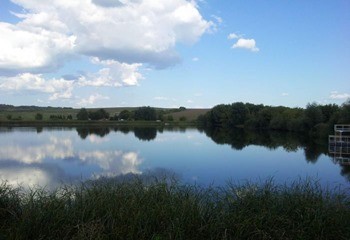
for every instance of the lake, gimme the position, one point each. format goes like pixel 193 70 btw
pixel 52 156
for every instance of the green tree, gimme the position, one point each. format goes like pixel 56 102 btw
pixel 238 114
pixel 328 111
pixel 145 113
pixel 83 114
pixel 219 115
pixel 38 116
pixel 313 115
pixel 345 112
pixel 98 115
pixel 125 115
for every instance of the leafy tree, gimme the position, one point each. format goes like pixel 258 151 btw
pixel 219 115
pixel 38 116
pixel 313 115
pixel 9 117
pixel 183 119
pixel 238 114
pixel 345 112
pixel 83 114
pixel 145 113
pixel 99 114
pixel 125 115
pixel 328 111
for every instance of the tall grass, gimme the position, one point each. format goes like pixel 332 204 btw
pixel 134 209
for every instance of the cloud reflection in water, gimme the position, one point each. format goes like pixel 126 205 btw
pixel 53 160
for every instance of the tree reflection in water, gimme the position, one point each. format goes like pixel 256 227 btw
pixel 83 132
pixel 239 138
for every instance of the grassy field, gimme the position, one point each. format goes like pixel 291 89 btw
pixel 189 114
pixel 29 115
pixel 109 209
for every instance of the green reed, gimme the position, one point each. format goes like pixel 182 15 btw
pixel 134 209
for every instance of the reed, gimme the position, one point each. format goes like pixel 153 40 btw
pixel 160 209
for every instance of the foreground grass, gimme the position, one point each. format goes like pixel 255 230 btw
pixel 162 210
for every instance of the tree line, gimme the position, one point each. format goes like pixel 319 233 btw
pixel 144 113
pixel 315 118
pixel 141 113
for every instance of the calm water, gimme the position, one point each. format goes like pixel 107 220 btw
pixel 51 156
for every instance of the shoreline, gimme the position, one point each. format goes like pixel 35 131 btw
pixel 77 123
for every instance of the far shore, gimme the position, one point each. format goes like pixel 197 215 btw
pixel 102 123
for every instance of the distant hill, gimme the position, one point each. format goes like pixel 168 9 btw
pixel 6 107
pixel 189 114
pixel 28 112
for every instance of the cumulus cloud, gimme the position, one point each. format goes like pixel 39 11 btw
pixel 246 44
pixel 113 163
pixel 54 148
pixel 108 3
pixel 112 74
pixel 120 35
pixel 23 49
pixel 92 99
pixel 58 88
pixel 232 36
pixel 339 96
pixel 138 31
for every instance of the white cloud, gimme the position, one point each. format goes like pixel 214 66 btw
pixel 54 148
pixel 92 99
pixel 97 139
pixel 26 176
pixel 285 94
pixel 113 163
pixel 195 59
pixel 339 96
pixel 246 44
pixel 120 35
pixel 134 31
pixel 217 19
pixel 232 36
pixel 113 74
pixel 161 98
pixel 25 49
pixel 58 88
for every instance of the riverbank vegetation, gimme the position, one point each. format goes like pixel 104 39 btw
pixel 134 209
pixel 316 120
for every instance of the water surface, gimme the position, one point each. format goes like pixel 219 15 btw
pixel 52 156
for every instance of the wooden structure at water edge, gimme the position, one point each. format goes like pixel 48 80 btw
pixel 339 144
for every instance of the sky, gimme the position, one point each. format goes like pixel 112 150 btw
pixel 172 53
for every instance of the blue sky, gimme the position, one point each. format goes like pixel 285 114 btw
pixel 104 53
